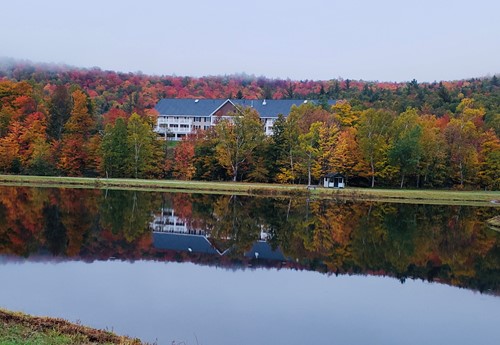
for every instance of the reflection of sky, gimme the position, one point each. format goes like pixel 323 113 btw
pixel 182 302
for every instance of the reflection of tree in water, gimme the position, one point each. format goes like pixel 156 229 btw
pixel 399 240
pixel 384 239
pixel 416 241
pixel 55 232
pixel 4 236
pixel 21 226
pixel 236 223
pixel 127 212
pixel 78 214
pixel 445 243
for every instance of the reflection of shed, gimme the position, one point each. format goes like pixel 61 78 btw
pixel 263 250
pixel 334 180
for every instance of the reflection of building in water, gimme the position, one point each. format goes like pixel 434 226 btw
pixel 167 221
pixel 172 233
pixel 184 242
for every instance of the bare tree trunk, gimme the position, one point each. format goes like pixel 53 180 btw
pixel 136 159
pixel 309 172
pixel 461 174
pixel 235 174
pixel 373 172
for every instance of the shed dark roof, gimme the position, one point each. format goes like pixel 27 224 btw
pixel 183 242
pixel 330 175
pixel 205 107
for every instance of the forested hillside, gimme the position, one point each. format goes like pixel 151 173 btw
pixel 67 121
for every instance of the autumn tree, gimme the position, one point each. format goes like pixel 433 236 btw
pixel 13 97
pixel 347 157
pixel 286 139
pixel 328 135
pixel 183 167
pixel 432 167
pixel 145 150
pixel 405 151
pixel 113 115
pixel 74 155
pixel 238 137
pixel 35 153
pixel 309 146
pixel 462 138
pixel 373 133
pixel 344 114
pixel 489 172
pixel 81 121
pixel 10 148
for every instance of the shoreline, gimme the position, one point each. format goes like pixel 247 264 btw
pixel 19 328
pixel 425 196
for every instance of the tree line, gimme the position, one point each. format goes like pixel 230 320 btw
pixel 406 135
pixel 372 147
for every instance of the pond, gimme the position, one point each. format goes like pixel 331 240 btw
pixel 227 269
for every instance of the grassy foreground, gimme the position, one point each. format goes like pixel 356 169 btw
pixel 18 328
pixel 491 198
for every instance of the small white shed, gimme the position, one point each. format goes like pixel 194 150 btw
pixel 334 180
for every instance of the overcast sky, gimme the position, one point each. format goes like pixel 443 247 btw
pixel 385 40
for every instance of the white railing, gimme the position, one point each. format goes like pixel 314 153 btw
pixel 172 119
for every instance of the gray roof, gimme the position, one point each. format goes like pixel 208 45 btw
pixel 183 242
pixel 205 107
pixel 184 106
pixel 271 108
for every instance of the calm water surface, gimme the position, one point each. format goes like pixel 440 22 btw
pixel 239 270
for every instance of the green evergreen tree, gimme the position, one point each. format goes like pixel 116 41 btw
pixel 115 150
pixel 60 110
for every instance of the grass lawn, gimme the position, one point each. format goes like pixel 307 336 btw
pixel 398 195
pixel 18 328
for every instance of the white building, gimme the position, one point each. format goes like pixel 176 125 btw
pixel 179 117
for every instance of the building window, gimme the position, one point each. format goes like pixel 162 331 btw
pixel 173 125
pixel 184 126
